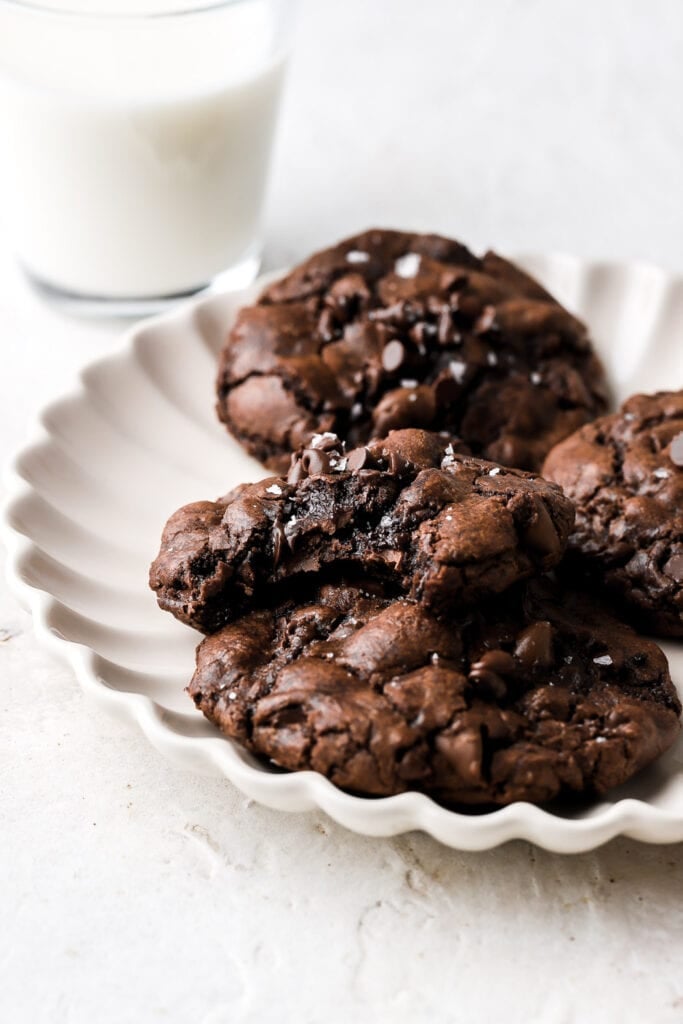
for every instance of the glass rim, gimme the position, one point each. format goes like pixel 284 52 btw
pixel 35 7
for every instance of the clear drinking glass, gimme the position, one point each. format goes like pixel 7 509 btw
pixel 135 139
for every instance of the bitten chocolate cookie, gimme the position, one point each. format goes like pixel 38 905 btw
pixel 534 695
pixel 390 330
pixel 442 527
pixel 625 474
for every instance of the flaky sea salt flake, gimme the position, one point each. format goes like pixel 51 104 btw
pixel 457 370
pixel 408 265
pixel 319 439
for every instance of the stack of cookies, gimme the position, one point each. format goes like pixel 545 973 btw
pixel 403 605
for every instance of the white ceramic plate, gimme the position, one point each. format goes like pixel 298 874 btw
pixel 137 437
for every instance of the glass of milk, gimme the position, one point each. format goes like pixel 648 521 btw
pixel 135 139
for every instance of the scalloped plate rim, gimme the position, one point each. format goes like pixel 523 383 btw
pixel 298 791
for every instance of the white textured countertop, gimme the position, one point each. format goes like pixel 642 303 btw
pixel 132 891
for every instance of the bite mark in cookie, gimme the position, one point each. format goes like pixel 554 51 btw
pixel 438 525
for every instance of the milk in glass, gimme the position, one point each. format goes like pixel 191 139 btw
pixel 134 151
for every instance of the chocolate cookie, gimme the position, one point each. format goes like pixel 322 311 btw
pixel 442 527
pixel 390 330
pixel 531 696
pixel 625 474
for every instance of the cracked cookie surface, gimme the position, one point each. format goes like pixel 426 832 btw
pixel 440 526
pixel 532 695
pixel 625 474
pixel 388 330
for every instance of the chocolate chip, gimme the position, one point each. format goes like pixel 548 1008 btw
pixel 327 325
pixel 297 472
pixel 445 326
pixel 397 463
pixel 359 458
pixel 487 672
pixel 393 356
pixel 676 450
pixel 674 567
pixel 315 461
pixel 488 682
pixel 497 661
pixel 487 320
pixel 541 534
pixel 278 541
pixel 535 646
